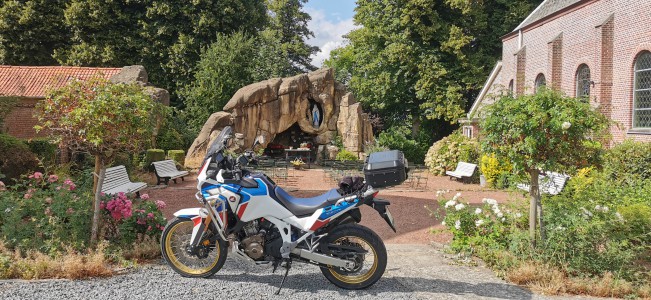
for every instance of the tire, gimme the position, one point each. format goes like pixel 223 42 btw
pixel 177 257
pixel 354 234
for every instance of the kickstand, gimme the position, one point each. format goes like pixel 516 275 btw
pixel 288 265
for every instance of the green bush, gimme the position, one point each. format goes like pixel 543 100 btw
pixel 45 213
pixel 177 155
pixel 628 161
pixel 44 150
pixel 445 154
pixel 153 155
pixel 15 158
pixel 399 138
pixel 174 134
pixel 345 155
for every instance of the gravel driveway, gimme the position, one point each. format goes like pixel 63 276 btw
pixel 413 272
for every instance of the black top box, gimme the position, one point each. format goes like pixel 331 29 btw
pixel 387 168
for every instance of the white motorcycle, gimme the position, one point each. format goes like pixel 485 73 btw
pixel 245 214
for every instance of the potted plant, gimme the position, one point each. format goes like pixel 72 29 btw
pixel 297 163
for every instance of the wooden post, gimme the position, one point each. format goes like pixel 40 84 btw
pixel 98 196
pixel 534 193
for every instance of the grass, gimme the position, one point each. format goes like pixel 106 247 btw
pixel 68 265
pixel 549 280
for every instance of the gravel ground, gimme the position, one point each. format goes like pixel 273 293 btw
pixel 413 272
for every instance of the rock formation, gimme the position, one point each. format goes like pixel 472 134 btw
pixel 270 107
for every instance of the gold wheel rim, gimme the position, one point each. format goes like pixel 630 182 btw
pixel 174 247
pixel 356 279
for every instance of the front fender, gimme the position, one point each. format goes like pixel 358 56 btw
pixel 190 213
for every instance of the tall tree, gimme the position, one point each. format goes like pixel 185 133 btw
pixel 419 61
pixel 30 30
pixel 288 22
pixel 165 36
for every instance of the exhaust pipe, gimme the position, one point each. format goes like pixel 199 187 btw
pixel 324 259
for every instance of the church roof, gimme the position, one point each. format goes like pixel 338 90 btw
pixel 546 9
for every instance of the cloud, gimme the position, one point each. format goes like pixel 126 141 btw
pixel 328 34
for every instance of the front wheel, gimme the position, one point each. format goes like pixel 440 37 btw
pixel 204 261
pixel 370 257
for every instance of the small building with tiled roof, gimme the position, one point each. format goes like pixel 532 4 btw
pixel 29 84
pixel 598 50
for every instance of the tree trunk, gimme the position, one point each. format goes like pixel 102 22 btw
pixel 540 219
pixel 98 167
pixel 534 193
pixel 99 180
pixel 415 127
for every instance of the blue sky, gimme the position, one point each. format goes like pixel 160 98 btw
pixel 330 20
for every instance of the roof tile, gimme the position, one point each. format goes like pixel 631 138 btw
pixel 32 82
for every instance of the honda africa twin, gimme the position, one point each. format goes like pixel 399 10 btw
pixel 246 215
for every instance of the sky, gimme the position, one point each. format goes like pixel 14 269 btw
pixel 331 19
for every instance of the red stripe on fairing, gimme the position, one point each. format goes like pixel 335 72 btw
pixel 240 210
pixel 318 224
pixel 196 220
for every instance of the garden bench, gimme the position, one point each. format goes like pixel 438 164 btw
pixel 463 171
pixel 552 183
pixel 116 180
pixel 166 170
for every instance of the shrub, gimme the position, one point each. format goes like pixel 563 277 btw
pixel 128 220
pixel 153 155
pixel 345 155
pixel 174 134
pixel 373 147
pixel 399 138
pixel 445 154
pixel 44 150
pixel 45 213
pixel 177 155
pixel 16 159
pixel 628 159
pixel 497 172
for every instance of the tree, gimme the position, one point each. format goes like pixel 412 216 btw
pixel 100 118
pixel 227 65
pixel 546 131
pixel 288 23
pixel 419 61
pixel 164 36
pixel 30 30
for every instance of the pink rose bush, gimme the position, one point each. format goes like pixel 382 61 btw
pixel 128 220
pixel 42 205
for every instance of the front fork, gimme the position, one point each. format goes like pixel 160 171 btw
pixel 214 211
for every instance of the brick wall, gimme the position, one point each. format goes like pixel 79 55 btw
pixel 606 35
pixel 20 121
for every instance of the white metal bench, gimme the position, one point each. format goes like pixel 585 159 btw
pixel 552 183
pixel 463 171
pixel 166 171
pixel 116 180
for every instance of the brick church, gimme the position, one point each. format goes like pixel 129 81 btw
pixel 598 49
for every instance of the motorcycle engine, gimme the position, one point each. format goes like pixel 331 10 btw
pixel 253 243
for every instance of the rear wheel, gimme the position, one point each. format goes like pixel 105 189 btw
pixel 370 257
pixel 205 261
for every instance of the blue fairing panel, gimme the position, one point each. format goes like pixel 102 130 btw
pixel 332 210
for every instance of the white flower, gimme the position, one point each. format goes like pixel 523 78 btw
pixel 503 219
pixel 489 201
pixel 459 206
pixel 450 203
pixel 500 215
pixel 479 222
pixel 456 196
pixel 478 211
pixel 586 212
pixel 604 209
pixel 443 223
pixel 518 215
pixel 457 224
pixel 566 125
pixel 8 210
pixel 619 217
pixel 597 208
pixel 439 193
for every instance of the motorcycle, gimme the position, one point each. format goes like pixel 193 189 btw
pixel 245 214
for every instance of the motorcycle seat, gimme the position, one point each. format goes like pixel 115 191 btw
pixel 306 206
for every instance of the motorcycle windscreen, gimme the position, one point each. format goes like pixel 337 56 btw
pixel 220 142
